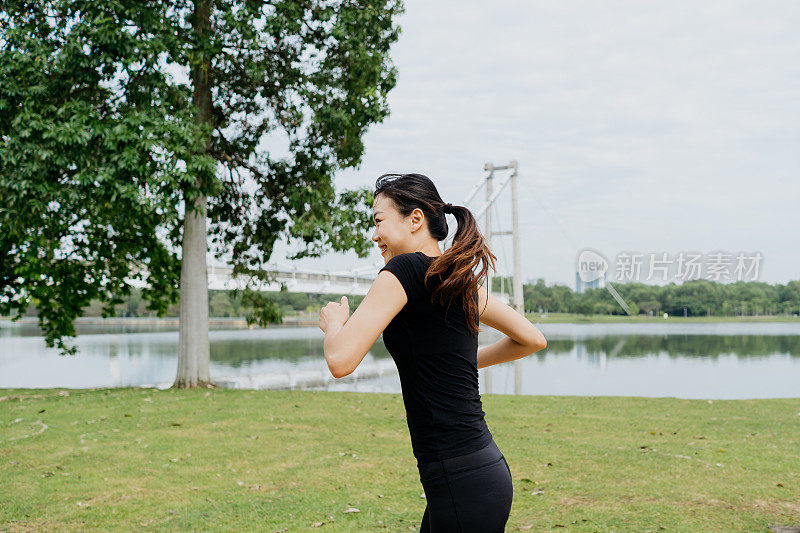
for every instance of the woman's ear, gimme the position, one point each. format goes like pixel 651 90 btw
pixel 416 216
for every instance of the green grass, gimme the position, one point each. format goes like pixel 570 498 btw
pixel 573 317
pixel 238 460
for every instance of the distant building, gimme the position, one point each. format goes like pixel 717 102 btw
pixel 581 285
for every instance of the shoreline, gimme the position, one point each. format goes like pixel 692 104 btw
pixel 312 320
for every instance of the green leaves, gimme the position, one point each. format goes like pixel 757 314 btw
pixel 100 142
pixel 105 166
pixel 265 311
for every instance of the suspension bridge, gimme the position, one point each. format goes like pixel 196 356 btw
pixel 358 280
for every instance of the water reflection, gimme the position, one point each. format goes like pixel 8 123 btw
pixel 678 346
pixel 722 360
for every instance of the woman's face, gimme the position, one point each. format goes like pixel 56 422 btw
pixel 392 231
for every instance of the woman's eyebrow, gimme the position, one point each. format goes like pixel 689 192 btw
pixel 376 213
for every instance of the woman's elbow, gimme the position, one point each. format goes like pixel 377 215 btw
pixel 338 374
pixel 540 343
pixel 337 370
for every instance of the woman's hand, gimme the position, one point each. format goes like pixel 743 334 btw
pixel 334 314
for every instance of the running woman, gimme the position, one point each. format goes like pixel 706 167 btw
pixel 428 304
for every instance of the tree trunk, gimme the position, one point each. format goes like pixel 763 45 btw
pixel 193 351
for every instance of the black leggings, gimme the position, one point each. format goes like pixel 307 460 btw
pixel 467 493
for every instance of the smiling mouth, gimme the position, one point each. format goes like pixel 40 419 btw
pixel 383 249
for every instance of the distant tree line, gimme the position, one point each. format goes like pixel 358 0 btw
pixel 698 297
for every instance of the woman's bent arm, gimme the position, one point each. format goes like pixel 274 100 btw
pixel 522 338
pixel 503 351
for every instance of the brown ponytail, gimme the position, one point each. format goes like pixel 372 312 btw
pixel 455 268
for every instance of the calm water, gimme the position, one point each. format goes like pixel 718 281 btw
pixel 714 361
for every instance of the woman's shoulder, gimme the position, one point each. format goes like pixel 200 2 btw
pixel 410 269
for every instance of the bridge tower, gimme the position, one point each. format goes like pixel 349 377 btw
pixel 484 213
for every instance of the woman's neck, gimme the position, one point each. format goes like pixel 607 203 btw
pixel 430 251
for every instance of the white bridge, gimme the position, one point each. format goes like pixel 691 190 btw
pixel 356 281
pixel 359 280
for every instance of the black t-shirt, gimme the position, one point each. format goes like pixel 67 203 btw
pixel 438 366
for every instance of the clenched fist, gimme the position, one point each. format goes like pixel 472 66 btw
pixel 334 313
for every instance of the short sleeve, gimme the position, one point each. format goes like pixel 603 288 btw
pixel 404 268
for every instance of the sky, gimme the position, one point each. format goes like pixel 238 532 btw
pixel 638 127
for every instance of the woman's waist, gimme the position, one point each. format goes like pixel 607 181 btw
pixel 487 454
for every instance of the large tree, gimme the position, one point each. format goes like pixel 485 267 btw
pixel 136 134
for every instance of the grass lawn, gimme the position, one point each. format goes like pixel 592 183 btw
pixel 238 460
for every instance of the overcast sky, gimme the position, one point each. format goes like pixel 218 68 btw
pixel 660 127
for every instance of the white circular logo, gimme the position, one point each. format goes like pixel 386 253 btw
pixel 591 265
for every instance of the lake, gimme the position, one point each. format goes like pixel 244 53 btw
pixel 725 360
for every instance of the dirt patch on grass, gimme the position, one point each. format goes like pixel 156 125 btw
pixel 778 506
pixel 576 499
pixel 771 507
pixel 28 525
pixel 20 397
pixel 711 502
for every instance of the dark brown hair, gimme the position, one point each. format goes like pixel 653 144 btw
pixel 455 267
